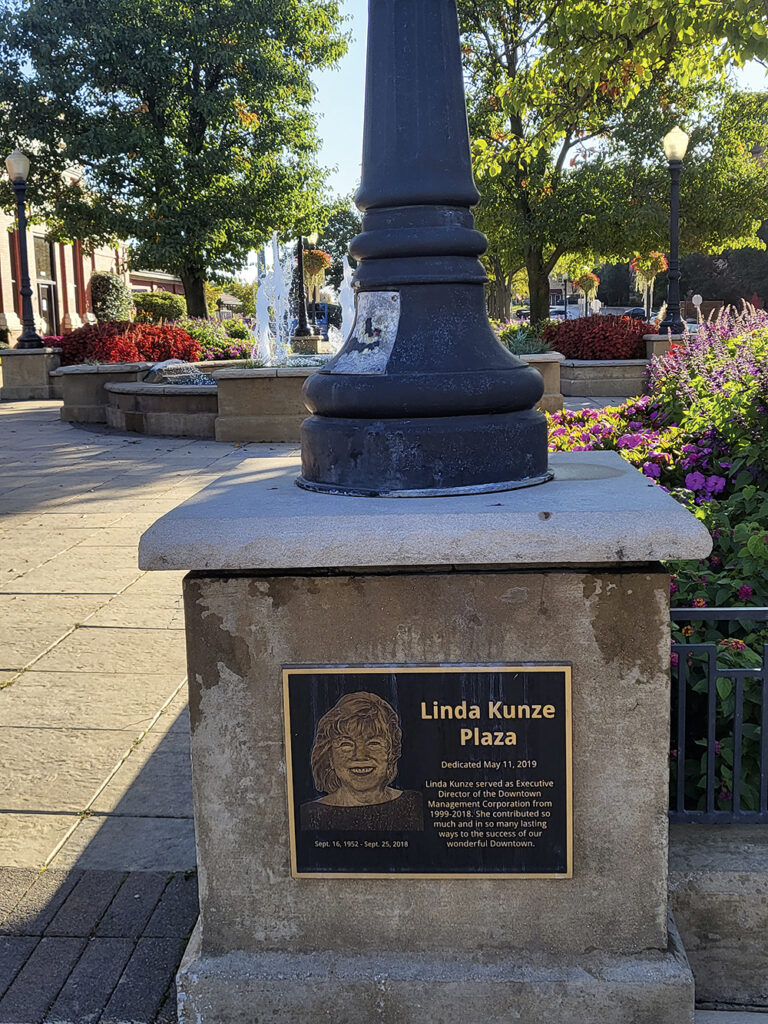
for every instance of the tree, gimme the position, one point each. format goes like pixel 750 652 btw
pixel 344 222
pixel 187 124
pixel 246 293
pixel 550 84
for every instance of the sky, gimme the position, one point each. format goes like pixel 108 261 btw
pixel 339 101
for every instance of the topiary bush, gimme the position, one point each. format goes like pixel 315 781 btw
pixel 125 342
pixel 111 298
pixel 598 337
pixel 157 307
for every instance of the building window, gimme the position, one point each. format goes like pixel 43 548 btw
pixel 47 296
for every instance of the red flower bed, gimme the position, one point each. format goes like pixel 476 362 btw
pixel 598 337
pixel 127 343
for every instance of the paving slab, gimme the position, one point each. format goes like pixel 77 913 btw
pixel 27 840
pixel 145 983
pixel 15 950
pixel 56 769
pixel 89 987
pixel 133 906
pixel 38 983
pixel 72 699
pixel 105 842
pixel 114 649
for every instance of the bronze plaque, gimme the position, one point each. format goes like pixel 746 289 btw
pixel 429 771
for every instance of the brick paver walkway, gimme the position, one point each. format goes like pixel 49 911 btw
pixel 98 891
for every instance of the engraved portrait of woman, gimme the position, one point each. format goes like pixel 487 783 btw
pixel 354 761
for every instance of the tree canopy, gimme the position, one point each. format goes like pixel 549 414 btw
pixel 568 102
pixel 185 124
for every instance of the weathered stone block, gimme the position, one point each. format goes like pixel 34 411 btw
pixel 263 404
pixel 589 378
pixel 548 365
pixel 85 400
pixel 718 885
pixel 26 374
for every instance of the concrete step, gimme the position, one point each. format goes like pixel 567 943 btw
pixel 730 1017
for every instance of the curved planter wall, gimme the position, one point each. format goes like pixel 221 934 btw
pixel 175 410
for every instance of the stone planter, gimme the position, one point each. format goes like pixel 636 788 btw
pixel 174 410
pixel 591 378
pixel 26 374
pixel 658 344
pixel 262 404
pixel 85 400
pixel 548 365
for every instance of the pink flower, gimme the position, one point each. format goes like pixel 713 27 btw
pixel 630 440
pixel 745 592
pixel 695 481
pixel 673 587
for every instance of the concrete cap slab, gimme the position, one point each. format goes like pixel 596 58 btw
pixel 543 357
pixel 237 372
pixel 598 510
pixel 28 352
pixel 605 362
pixel 101 368
pixel 139 388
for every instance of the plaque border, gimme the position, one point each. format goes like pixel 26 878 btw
pixel 345 669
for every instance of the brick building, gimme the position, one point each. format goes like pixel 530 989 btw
pixel 59 275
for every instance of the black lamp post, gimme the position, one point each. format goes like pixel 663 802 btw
pixel 18 171
pixel 675 146
pixel 312 240
pixel 302 329
pixel 422 398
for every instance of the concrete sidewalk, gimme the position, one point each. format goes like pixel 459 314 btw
pixel 98 890
pixel 97 861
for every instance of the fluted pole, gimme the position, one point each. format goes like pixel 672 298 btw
pixel 422 397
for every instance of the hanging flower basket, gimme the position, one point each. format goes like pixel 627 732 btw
pixel 587 283
pixel 316 262
pixel 647 267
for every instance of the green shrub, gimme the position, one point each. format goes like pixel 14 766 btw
pixel 523 339
pixel 235 328
pixel 111 297
pixel 157 307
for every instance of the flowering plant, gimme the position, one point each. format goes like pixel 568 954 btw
pixel 699 434
pixel 587 283
pixel 647 267
pixel 126 342
pixel 598 337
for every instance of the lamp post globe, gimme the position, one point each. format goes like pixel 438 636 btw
pixel 675 147
pixel 17 165
pixel 422 399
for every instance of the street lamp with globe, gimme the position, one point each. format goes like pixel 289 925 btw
pixel 675 147
pixel 17 166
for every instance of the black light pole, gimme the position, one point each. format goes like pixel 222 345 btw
pixel 675 147
pixel 421 399
pixel 302 330
pixel 312 296
pixel 18 171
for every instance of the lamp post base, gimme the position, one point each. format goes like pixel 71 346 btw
pixel 437 455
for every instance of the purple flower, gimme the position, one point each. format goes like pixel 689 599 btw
pixel 630 440
pixel 651 469
pixel 745 592
pixel 635 425
pixel 674 659
pixel 695 481
pixel 673 587
pixel 715 484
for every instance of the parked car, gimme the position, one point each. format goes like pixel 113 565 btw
pixel 521 313
pixel 636 312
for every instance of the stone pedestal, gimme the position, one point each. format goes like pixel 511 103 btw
pixel 565 573
pixel 308 345
pixel 548 365
pixel 26 374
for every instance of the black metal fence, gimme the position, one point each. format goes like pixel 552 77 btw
pixel 719 744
